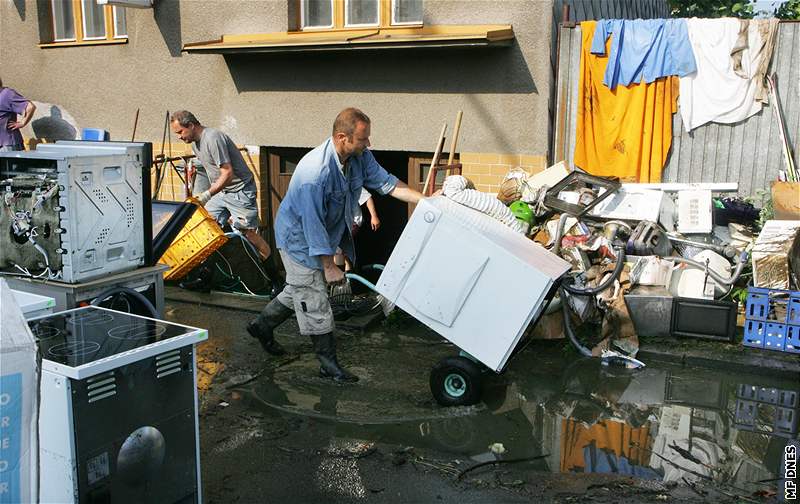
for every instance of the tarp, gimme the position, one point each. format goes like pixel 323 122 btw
pixel 19 404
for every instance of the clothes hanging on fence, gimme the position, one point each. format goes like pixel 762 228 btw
pixel 761 49
pixel 643 49
pixel 732 60
pixel 626 132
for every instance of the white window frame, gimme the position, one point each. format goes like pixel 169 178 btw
pixel 114 10
pixel 362 25
pixel 53 16
pixel 405 23
pixel 303 26
pixel 83 20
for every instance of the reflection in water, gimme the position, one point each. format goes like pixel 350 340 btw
pixel 660 423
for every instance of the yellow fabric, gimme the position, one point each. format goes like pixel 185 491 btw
pixel 627 132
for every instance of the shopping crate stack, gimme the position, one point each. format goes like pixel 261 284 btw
pixel 766 409
pixel 772 320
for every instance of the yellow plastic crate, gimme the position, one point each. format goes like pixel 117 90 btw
pixel 198 239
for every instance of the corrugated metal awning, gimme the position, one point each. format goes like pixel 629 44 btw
pixel 345 40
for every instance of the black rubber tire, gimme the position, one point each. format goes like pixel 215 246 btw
pixel 465 370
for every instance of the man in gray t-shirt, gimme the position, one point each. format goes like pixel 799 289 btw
pixel 231 196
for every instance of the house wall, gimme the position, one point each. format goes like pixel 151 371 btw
pixel 290 101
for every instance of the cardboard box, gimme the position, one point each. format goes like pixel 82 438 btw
pixel 786 200
pixel 775 252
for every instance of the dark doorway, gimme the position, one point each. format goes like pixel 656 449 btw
pixel 376 246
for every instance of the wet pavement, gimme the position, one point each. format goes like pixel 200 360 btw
pixel 553 427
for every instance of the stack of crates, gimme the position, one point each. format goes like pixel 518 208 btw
pixel 775 409
pixel 772 320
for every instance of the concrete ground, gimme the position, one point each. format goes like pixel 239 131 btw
pixel 273 431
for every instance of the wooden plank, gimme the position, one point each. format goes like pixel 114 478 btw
pixel 723 154
pixel 574 70
pixel 710 146
pixel 670 173
pixel 698 148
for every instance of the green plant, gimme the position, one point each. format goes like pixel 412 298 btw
pixel 789 9
pixel 711 8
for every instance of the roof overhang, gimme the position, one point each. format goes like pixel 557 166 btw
pixel 346 40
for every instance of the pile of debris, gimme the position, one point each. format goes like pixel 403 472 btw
pixel 648 260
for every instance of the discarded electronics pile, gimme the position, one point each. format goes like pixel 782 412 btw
pixel 115 391
pixel 650 260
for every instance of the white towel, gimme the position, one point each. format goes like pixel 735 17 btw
pixel 715 92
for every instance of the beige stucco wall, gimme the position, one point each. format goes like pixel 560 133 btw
pixel 291 100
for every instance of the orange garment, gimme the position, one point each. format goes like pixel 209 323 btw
pixel 609 435
pixel 627 132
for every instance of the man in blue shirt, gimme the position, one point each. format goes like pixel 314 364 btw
pixel 314 219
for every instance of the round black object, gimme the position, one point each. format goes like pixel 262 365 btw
pixel 456 381
pixel 141 456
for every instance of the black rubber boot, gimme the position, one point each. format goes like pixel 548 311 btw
pixel 275 279
pixel 325 348
pixel 273 315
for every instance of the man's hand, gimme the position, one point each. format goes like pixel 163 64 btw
pixel 333 275
pixel 204 197
pixel 14 125
pixel 375 222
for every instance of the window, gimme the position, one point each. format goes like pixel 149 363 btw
pixel 406 12
pixel 361 13
pixel 84 21
pixel 317 14
pixel 349 14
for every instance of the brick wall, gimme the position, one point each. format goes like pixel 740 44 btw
pixel 486 170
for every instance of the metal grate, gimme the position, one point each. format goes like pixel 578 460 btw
pixel 168 363
pixel 101 386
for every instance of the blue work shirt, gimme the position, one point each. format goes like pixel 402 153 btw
pixel 318 210
pixel 644 48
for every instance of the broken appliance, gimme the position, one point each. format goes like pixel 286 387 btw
pixel 75 212
pixel 118 418
pixel 452 262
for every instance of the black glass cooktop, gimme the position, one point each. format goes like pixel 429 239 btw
pixel 78 337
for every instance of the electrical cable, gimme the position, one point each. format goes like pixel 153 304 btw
pixel 590 291
pixel 133 293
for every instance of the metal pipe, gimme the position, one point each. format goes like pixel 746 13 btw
pixel 726 250
pixel 713 274
pixel 560 233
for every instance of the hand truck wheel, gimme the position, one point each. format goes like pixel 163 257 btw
pixel 456 381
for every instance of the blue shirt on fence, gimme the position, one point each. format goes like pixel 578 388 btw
pixel 317 212
pixel 644 48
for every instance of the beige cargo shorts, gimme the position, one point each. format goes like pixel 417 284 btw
pixel 307 294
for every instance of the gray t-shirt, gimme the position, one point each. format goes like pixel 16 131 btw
pixel 216 148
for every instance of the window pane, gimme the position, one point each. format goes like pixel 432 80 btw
pixel 120 24
pixel 317 13
pixel 94 20
pixel 360 12
pixel 406 11
pixel 63 21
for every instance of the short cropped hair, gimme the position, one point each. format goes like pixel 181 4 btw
pixel 184 118
pixel 347 119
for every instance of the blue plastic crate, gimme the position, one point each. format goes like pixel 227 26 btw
pixel 793 315
pixel 770 305
pixel 754 332
pixel 757 303
pixel 775 336
pixel 793 339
